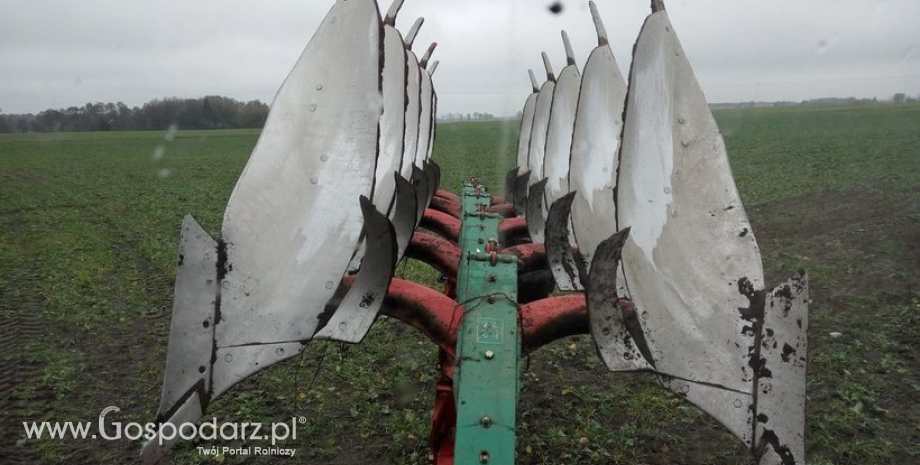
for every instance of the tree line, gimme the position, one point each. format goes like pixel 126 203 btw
pixel 210 112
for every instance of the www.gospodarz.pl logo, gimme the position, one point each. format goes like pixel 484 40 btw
pixel 165 432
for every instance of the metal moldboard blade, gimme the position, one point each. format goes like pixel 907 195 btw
pixel 420 181
pixel 434 116
pixel 356 313
pixel 569 269
pixel 191 331
pixel 294 220
pixel 437 178
pixel 538 134
pixel 559 134
pixel 780 427
pixel 595 142
pixel 692 265
pixel 732 409
pixel 413 112
pixel 520 191
pixel 526 126
pixel 510 177
pixel 190 411
pixel 234 364
pixel 610 328
pixel 424 119
pixel 432 173
pixel 403 214
pixel 393 120
pixel 536 216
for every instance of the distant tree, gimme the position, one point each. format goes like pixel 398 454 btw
pixel 898 98
pixel 4 126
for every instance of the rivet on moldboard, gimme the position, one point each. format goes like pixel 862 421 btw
pixel 324 157
pixel 667 190
pixel 228 358
pixel 681 120
pixel 484 457
pixel 329 284
pixel 685 141
pixel 343 325
pixel 485 422
pixel 489 355
pixel 314 180
pixel 312 107
pixel 319 87
pixel 279 351
pixel 738 403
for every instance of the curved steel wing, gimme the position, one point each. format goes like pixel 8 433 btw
pixel 595 146
pixel 393 119
pixel 542 109
pixel 289 229
pixel 413 104
pixel 527 125
pixel 290 205
pixel 425 108
pixel 559 128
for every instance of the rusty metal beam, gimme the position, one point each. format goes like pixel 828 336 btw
pixel 438 252
pixel 442 223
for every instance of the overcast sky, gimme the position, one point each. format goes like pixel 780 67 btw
pixel 58 53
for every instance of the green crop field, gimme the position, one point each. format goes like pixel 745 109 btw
pixel 89 224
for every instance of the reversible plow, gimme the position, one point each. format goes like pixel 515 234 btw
pixel 622 195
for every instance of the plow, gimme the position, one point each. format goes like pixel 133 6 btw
pixel 621 220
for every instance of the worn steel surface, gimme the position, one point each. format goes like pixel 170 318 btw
pixel 536 212
pixel 519 197
pixel 526 125
pixel 403 214
pixel 289 229
pixel 413 104
pixel 358 309
pixel 422 189
pixel 692 265
pixel 291 208
pixel 569 268
pixel 425 118
pixel 191 331
pixel 595 143
pixel 393 119
pixel 780 389
pixel 613 322
pixel 559 129
pixel 540 122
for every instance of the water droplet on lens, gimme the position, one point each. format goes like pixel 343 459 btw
pixel 667 190
pixel 324 157
pixel 343 325
pixel 319 87
pixel 329 284
pixel 314 180
pixel 738 403
pixel 312 107
pixel 228 357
